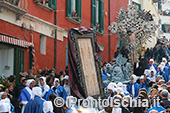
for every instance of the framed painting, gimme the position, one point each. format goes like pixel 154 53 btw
pixel 89 70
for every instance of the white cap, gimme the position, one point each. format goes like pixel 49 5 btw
pixel 164 59
pixel 142 77
pixel 66 77
pixel 151 60
pixel 147 72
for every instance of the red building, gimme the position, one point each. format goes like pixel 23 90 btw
pixel 27 22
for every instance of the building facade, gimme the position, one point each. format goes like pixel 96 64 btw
pixel 36 31
pixel 165 19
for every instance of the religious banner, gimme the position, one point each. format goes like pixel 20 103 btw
pixel 83 63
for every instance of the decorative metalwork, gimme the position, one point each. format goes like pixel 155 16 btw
pixel 80 77
pixel 120 60
pixel 133 19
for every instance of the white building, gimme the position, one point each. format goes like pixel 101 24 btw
pixel 165 19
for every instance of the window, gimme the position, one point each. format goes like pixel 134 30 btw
pixel 43 44
pixel 73 4
pixel 166 28
pixel 18 63
pixel 138 4
pixel 98 15
pixel 46 4
pixel 97 11
pixel 74 10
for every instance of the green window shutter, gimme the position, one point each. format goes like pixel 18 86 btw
pixel 78 9
pixel 101 16
pixel 93 13
pixel 68 8
pixel 52 4
pixel 163 28
pixel 139 5
pixel 66 55
pixel 18 63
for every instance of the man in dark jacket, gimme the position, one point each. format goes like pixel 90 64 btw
pixel 117 52
pixel 164 95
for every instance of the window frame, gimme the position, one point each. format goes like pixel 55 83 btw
pixel 78 9
pixel 100 29
pixel 43 44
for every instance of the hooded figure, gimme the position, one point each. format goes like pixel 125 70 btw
pixel 133 87
pixel 58 90
pixel 46 91
pixel 152 66
pixel 165 61
pixel 37 104
pixel 142 83
pixel 4 103
pixel 163 70
pixel 67 85
pixel 26 93
pixel 147 72
pixel 152 76
pixel 119 90
pixel 123 87
pixel 166 69
pixel 111 89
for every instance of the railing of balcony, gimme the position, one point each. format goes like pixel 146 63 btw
pixel 20 3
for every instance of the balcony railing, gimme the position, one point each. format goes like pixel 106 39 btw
pixel 17 6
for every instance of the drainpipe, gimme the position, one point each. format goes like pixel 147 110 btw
pixel 109 36
pixel 55 39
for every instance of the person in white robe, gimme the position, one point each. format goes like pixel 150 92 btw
pixel 45 88
pixel 26 94
pixel 4 103
pixel 37 104
pixel 67 85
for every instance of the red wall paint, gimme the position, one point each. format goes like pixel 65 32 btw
pixel 39 12
pixel 41 61
pixel 115 7
pixel 61 54
pixel 48 59
pixel 86 21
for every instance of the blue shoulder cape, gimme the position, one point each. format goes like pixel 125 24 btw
pixel 34 106
pixel 136 87
pixel 24 95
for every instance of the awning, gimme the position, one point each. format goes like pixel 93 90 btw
pixel 13 41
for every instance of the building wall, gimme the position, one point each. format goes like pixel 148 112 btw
pixel 86 22
pixel 40 60
pixel 165 19
pixel 148 5
pixel 115 6
pixel 42 22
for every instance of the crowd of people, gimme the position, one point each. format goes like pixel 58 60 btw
pixel 36 92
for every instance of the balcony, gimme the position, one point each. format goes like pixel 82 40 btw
pixel 19 7
pixel 48 5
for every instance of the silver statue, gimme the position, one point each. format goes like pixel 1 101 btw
pixel 133 27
